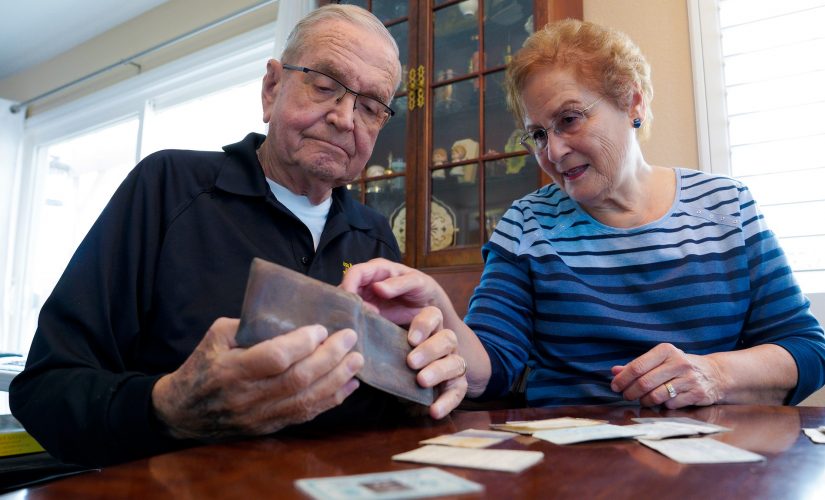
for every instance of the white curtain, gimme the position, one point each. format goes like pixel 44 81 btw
pixel 11 139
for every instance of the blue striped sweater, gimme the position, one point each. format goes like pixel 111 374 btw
pixel 570 297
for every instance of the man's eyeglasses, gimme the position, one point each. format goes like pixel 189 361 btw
pixel 564 124
pixel 322 88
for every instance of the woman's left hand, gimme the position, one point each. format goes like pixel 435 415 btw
pixel 447 353
pixel 435 355
pixel 665 375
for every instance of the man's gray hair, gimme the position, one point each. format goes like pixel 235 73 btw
pixel 302 32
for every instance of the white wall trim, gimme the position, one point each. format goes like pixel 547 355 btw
pixel 708 86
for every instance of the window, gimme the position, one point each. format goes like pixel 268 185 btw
pixel 760 92
pixel 80 175
pixel 76 156
pixel 207 122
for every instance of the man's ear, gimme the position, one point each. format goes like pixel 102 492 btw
pixel 270 87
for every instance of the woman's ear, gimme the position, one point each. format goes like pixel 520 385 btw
pixel 270 87
pixel 638 107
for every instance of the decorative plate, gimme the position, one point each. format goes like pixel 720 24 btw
pixel 442 225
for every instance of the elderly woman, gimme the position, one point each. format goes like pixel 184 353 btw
pixel 621 280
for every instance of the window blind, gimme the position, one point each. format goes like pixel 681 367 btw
pixel 773 56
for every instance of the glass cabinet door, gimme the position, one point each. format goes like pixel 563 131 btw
pixel 475 168
pixel 448 165
pixel 383 184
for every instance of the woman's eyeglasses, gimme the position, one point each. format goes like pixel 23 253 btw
pixel 322 88
pixel 564 124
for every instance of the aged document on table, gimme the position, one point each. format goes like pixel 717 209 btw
pixel 501 460
pixel 588 433
pixel 664 430
pixel 471 438
pixel 413 483
pixel 701 426
pixel 531 426
pixel 701 451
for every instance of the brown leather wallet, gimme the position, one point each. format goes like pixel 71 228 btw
pixel 279 300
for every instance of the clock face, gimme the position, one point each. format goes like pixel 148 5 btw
pixel 442 225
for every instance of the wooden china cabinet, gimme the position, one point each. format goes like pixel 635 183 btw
pixel 448 164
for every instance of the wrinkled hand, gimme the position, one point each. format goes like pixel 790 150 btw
pixel 695 379
pixel 395 291
pixel 407 296
pixel 223 390
pixel 435 354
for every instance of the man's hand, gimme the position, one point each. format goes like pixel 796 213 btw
pixel 223 390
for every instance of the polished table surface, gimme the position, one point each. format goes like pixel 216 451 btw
pixel 267 467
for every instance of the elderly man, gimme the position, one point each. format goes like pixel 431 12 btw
pixel 120 367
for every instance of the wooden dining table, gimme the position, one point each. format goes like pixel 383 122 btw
pixel 267 467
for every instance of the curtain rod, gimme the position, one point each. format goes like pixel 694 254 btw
pixel 130 60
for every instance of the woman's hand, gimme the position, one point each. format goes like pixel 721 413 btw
pixel 763 374
pixel 397 292
pixel 435 356
pixel 445 349
pixel 667 376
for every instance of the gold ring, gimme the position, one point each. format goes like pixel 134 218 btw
pixel 670 390
pixel 463 366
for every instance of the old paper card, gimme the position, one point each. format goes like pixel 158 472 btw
pixel 501 460
pixel 701 451
pixel 279 300
pixel 587 433
pixel 702 427
pixel 414 483
pixel 664 430
pixel 471 438
pixel 531 426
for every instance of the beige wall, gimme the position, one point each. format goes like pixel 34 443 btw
pixel 660 27
pixel 165 22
